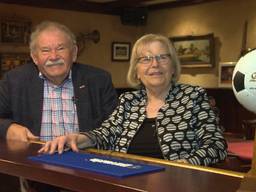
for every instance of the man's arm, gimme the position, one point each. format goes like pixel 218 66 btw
pixel 9 129
pixel 5 108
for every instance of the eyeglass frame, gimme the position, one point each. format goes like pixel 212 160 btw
pixel 152 57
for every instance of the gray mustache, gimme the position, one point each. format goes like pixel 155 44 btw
pixel 57 62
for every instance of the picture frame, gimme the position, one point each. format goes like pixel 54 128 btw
pixel 11 60
pixel 15 31
pixel 121 51
pixel 225 74
pixel 195 51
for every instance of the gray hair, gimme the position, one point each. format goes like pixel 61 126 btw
pixel 132 78
pixel 45 25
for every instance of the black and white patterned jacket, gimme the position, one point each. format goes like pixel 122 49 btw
pixel 186 126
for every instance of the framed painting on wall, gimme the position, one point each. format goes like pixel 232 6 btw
pixel 121 51
pixel 12 60
pixel 195 51
pixel 225 74
pixel 15 31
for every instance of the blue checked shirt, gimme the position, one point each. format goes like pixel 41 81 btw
pixel 59 115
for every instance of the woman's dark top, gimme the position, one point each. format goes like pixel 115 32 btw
pixel 145 141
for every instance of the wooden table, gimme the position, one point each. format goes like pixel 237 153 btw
pixel 177 177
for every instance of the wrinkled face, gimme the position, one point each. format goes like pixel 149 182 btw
pixel 154 68
pixel 54 54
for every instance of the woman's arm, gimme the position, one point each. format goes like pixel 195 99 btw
pixel 105 136
pixel 211 143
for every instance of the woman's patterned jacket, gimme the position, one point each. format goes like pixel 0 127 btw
pixel 186 126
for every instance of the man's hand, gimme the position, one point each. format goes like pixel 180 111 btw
pixel 20 133
pixel 65 142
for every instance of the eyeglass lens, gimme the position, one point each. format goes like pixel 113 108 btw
pixel 162 58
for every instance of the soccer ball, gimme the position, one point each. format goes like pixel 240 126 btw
pixel 244 81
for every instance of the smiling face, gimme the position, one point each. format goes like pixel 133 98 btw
pixel 54 54
pixel 156 74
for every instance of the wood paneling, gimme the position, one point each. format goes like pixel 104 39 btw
pixel 232 113
pixel 114 8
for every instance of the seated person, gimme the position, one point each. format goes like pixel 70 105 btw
pixel 162 118
pixel 214 107
pixel 53 95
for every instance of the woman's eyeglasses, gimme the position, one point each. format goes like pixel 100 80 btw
pixel 161 58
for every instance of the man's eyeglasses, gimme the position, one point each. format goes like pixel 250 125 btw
pixel 162 59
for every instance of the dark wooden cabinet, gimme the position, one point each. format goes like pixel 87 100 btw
pixel 232 113
pixel 9 183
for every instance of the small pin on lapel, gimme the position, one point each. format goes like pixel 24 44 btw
pixel 82 86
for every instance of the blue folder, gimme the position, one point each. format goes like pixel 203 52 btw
pixel 112 166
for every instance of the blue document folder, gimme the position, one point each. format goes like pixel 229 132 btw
pixel 112 166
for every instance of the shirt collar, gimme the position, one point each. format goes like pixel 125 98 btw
pixel 69 77
pixel 41 75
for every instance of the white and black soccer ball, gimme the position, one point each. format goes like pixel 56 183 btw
pixel 244 81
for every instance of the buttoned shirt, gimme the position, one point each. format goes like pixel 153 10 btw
pixel 59 115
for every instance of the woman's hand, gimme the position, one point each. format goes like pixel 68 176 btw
pixel 182 161
pixel 62 143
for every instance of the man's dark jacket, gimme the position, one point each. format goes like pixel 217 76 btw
pixel 21 97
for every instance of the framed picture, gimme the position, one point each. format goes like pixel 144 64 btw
pixel 15 31
pixel 121 51
pixel 12 60
pixel 225 74
pixel 195 51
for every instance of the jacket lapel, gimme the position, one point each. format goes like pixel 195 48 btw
pixel 81 97
pixel 36 101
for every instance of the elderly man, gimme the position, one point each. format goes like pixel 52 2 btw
pixel 53 95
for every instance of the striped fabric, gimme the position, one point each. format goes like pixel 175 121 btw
pixel 59 115
pixel 186 126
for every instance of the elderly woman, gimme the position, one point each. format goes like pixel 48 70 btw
pixel 161 119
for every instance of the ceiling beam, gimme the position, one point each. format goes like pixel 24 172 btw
pixel 112 8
